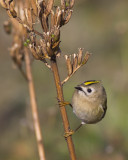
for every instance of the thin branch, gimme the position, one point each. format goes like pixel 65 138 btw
pixel 62 108
pixel 34 107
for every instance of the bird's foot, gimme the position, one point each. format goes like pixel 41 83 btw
pixel 63 103
pixel 69 133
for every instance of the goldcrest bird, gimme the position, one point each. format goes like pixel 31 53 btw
pixel 89 103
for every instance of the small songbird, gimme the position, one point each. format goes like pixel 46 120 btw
pixel 89 101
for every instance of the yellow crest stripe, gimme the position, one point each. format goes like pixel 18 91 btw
pixel 91 82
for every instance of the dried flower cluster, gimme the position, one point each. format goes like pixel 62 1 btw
pixel 74 62
pixel 51 20
pixel 29 12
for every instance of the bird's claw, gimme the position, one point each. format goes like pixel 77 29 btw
pixel 63 103
pixel 69 133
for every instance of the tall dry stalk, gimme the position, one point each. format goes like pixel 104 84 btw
pixel 46 47
pixel 62 108
pixel 20 53
pixel 34 106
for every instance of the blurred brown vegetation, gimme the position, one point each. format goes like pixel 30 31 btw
pixel 100 27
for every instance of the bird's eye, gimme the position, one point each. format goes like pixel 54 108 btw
pixel 89 90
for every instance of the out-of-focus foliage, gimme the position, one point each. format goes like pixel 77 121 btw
pixel 100 27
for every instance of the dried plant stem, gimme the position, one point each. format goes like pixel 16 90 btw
pixel 62 108
pixel 34 107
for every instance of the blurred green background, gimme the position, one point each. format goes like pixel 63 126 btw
pixel 101 27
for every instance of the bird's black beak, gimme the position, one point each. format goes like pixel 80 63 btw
pixel 79 88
